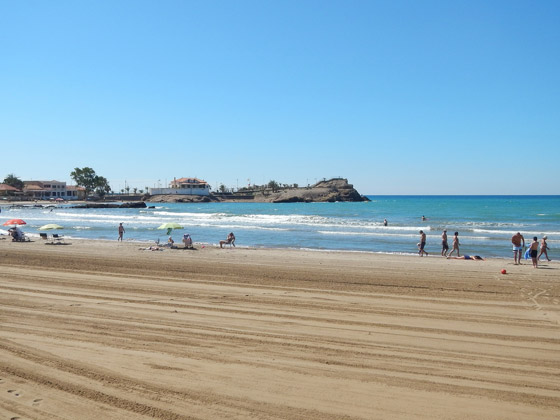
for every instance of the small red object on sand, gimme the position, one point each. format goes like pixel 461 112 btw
pixel 503 271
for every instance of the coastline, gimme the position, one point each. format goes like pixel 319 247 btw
pixel 321 226
pixel 103 327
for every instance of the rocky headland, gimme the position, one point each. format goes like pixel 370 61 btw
pixel 332 190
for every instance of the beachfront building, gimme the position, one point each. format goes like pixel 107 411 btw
pixel 8 191
pixel 52 190
pixel 184 186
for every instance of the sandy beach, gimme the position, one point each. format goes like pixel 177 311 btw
pixel 103 330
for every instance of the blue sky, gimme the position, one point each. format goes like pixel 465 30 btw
pixel 400 97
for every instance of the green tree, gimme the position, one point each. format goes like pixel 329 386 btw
pixel 222 188
pixel 102 188
pixel 13 181
pixel 90 181
pixel 273 185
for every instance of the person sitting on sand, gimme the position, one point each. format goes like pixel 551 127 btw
pixel 16 234
pixel 187 240
pixel 467 257
pixel 170 242
pixel 230 240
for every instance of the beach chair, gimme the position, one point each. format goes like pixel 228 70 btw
pixel 58 238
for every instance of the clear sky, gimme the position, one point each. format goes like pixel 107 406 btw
pixel 400 97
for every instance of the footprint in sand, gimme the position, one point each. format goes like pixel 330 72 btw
pixel 14 392
pixel 36 401
pixel 15 418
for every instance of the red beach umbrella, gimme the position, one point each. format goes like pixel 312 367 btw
pixel 14 222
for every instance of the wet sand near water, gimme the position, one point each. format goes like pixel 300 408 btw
pixel 104 330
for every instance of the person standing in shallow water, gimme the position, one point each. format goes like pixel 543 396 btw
pixel 121 232
pixel 518 242
pixel 422 244
pixel 444 244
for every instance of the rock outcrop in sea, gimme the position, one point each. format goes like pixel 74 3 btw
pixel 131 205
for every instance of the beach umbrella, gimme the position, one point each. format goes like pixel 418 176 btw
pixel 51 226
pixel 14 222
pixel 170 227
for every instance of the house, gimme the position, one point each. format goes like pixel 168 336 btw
pixel 8 190
pixel 184 186
pixel 46 190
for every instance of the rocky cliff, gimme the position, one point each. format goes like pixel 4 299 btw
pixel 332 190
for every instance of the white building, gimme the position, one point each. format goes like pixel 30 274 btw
pixel 46 190
pixel 184 186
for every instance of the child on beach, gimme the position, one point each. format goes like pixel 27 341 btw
pixel 534 251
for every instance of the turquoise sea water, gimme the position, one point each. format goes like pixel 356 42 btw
pixel 485 223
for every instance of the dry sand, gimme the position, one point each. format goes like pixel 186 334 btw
pixel 98 330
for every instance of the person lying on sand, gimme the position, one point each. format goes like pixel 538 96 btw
pixel 152 248
pixel 467 257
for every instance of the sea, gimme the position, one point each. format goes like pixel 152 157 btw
pixel 485 223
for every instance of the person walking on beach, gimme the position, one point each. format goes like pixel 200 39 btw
pixel 422 244
pixel 121 232
pixel 534 250
pixel 544 248
pixel 518 242
pixel 444 244
pixel 455 245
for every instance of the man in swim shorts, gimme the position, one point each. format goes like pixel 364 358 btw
pixel 444 244
pixel 422 244
pixel 518 242
pixel 534 251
